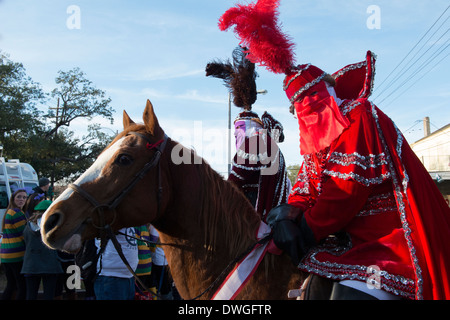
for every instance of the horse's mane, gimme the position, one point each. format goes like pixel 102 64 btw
pixel 223 204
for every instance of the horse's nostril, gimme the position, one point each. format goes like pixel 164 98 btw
pixel 52 222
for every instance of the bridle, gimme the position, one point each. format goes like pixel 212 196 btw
pixel 116 200
pixel 106 232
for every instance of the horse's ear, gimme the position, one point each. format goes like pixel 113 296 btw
pixel 126 120
pixel 150 120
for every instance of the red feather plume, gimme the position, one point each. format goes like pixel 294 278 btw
pixel 257 27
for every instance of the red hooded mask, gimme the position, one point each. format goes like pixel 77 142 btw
pixel 319 117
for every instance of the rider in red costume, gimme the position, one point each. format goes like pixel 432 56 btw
pixel 364 212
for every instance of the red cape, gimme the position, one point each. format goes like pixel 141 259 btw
pixel 368 154
pixel 427 216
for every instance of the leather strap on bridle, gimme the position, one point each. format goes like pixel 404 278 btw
pixel 114 202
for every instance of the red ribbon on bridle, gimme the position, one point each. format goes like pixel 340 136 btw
pixel 151 146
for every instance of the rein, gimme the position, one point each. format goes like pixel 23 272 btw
pixel 224 271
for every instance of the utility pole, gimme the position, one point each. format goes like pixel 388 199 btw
pixel 57 116
pixel 229 133
pixel 52 178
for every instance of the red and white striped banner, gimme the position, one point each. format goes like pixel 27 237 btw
pixel 242 272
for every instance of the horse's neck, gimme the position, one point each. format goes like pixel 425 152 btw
pixel 211 223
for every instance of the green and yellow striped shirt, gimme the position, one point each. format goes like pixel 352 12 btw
pixel 145 259
pixel 12 248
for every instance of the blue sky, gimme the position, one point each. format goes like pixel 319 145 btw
pixel 137 50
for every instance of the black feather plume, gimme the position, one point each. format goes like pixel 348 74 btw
pixel 239 77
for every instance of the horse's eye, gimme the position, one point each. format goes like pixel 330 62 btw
pixel 124 159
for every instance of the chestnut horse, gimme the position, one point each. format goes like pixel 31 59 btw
pixel 206 220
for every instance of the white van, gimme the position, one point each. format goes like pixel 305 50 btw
pixel 14 175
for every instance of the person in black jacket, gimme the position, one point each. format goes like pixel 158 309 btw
pixel 44 185
pixel 40 262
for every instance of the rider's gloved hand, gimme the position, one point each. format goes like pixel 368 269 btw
pixel 290 231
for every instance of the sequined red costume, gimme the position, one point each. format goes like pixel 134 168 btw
pixel 374 212
pixel 365 183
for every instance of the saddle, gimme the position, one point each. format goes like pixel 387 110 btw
pixel 319 288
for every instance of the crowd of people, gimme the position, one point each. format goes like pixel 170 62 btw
pixel 28 264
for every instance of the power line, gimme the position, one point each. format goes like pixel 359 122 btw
pixel 412 49
pixel 415 124
pixel 417 71
pixel 431 69
pixel 403 71
pixel 409 64
pixel 437 128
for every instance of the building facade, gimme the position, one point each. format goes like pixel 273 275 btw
pixel 434 152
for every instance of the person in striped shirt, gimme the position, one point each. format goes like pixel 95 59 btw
pixel 144 268
pixel 12 249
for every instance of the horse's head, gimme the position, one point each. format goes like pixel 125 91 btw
pixel 108 193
